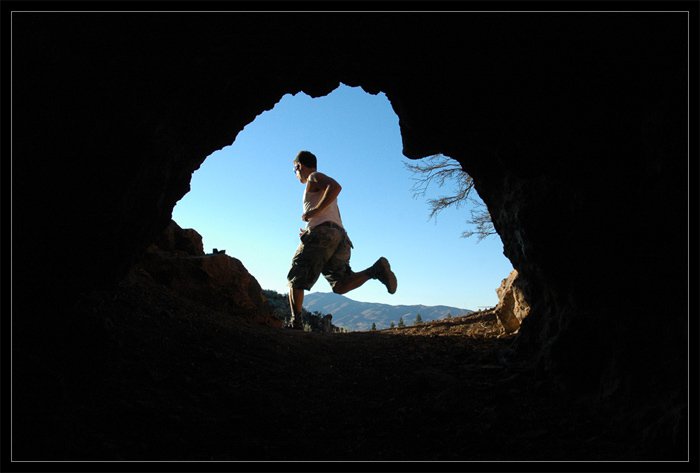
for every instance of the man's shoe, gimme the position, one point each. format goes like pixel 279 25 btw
pixel 385 275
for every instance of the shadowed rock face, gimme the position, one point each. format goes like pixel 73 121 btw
pixel 177 261
pixel 573 127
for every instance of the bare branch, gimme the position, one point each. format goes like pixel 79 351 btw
pixel 436 168
pixel 481 218
pixel 439 169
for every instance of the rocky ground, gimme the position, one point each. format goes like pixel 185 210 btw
pixel 152 376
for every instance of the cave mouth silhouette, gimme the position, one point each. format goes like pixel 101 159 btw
pixel 355 134
pixel 592 101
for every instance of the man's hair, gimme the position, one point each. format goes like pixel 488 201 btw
pixel 307 158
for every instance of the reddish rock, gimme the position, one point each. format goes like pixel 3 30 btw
pixel 182 241
pixel 176 260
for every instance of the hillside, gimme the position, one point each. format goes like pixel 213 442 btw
pixel 359 316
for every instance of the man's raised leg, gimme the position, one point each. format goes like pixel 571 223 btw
pixel 379 270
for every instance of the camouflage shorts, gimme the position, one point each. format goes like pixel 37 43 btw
pixel 323 250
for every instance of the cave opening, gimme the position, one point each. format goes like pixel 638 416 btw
pixel 244 200
pixel 590 102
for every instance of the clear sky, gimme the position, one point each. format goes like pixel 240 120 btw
pixel 246 199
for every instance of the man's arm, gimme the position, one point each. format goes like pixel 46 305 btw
pixel 330 189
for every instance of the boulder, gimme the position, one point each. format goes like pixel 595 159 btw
pixel 176 260
pixel 512 307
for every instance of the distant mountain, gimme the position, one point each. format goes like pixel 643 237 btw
pixel 357 316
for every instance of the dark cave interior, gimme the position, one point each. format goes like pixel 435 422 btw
pixel 573 126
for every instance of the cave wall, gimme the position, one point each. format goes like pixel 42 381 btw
pixel 574 127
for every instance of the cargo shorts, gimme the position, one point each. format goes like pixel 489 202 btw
pixel 323 250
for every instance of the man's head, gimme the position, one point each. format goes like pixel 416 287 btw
pixel 307 158
pixel 304 164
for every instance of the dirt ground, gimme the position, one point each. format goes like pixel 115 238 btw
pixel 153 377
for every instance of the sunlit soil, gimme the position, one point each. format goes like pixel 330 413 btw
pixel 482 324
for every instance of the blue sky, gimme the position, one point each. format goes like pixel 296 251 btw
pixel 245 199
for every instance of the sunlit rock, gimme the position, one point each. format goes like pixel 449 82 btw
pixel 512 307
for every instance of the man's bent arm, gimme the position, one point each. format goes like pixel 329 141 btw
pixel 330 187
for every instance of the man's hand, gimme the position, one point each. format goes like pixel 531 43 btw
pixel 308 215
